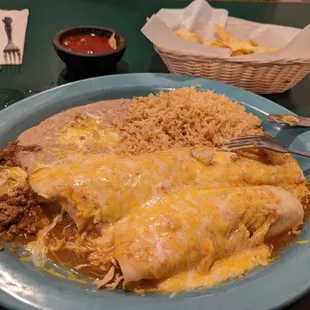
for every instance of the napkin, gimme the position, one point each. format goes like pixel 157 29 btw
pixel 19 26
pixel 201 18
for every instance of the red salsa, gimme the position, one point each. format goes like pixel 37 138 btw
pixel 87 43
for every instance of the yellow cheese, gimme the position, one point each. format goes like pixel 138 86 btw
pixel 192 229
pixel 222 270
pixel 12 179
pixel 88 134
pixel 104 188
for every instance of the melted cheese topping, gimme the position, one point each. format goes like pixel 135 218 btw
pixel 104 188
pixel 87 133
pixel 192 228
pixel 222 270
pixel 12 179
pixel 291 119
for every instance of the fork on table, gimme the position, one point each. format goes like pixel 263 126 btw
pixel 11 51
pixel 249 142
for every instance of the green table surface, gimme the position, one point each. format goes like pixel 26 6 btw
pixel 42 69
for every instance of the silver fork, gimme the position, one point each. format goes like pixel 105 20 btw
pixel 11 50
pixel 287 119
pixel 249 142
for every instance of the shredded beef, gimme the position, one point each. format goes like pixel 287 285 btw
pixel 19 216
pixel 9 215
pixel 20 213
pixel 8 156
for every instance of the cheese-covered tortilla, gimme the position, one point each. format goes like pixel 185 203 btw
pixel 191 230
pixel 104 188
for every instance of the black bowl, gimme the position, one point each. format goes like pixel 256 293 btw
pixel 90 64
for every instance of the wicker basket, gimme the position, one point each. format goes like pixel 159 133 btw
pixel 258 77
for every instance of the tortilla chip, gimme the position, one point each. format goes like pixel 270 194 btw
pixel 237 53
pixel 253 42
pixel 187 35
pixel 207 42
pixel 226 40
pixel 219 43
pixel 112 41
pixel 260 49
pixel 225 35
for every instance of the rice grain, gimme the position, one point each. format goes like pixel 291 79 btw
pixel 182 118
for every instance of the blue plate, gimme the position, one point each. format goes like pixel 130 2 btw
pixel 24 287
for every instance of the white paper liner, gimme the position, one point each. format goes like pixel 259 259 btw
pixel 201 18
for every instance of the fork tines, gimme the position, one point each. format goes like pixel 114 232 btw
pixel 12 56
pixel 240 143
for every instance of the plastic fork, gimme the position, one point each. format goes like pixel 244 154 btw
pixel 249 142
pixel 10 51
